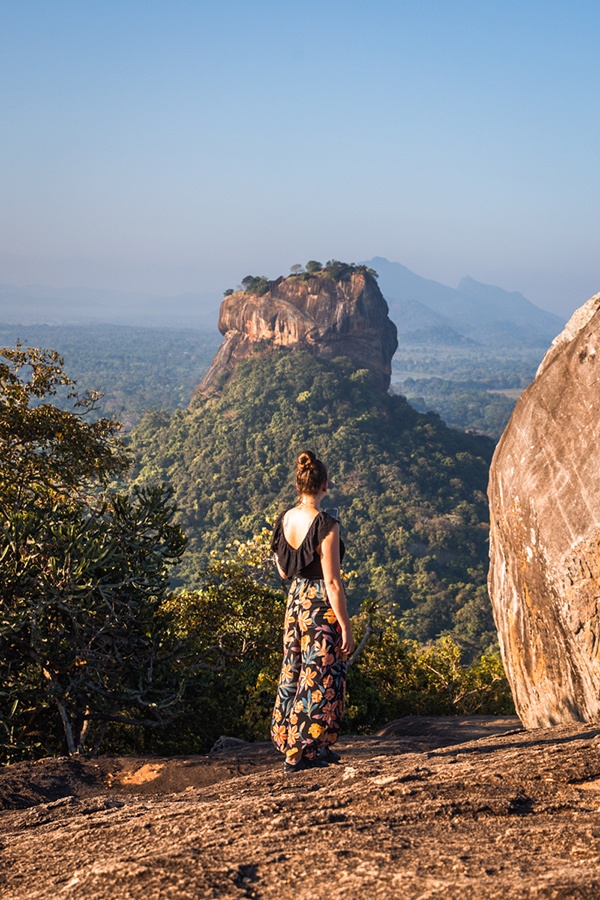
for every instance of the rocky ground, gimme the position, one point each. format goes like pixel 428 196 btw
pixel 449 808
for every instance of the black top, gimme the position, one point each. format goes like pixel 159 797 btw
pixel 303 561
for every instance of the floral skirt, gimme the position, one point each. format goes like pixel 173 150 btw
pixel 310 695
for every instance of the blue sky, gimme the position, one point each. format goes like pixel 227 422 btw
pixel 178 146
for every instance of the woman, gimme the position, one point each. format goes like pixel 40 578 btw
pixel 317 632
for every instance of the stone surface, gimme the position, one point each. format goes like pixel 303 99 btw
pixel 507 816
pixel 326 317
pixel 545 533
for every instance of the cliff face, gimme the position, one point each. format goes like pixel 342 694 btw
pixel 545 533
pixel 326 317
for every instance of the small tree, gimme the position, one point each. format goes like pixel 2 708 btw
pixel 312 266
pixel 84 570
pixel 255 284
pixel 395 677
pixel 338 270
pixel 296 269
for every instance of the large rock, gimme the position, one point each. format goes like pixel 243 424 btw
pixel 328 318
pixel 545 533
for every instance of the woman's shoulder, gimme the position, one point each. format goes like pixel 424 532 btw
pixel 277 530
pixel 325 525
pixel 282 519
pixel 326 515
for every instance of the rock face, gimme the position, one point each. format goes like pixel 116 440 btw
pixel 328 318
pixel 545 533
pixel 505 817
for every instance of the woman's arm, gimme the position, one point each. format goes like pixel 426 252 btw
pixel 279 569
pixel 330 562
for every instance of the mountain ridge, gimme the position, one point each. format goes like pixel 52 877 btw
pixel 484 313
pixel 415 303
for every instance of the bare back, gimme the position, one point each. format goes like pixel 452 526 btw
pixel 296 525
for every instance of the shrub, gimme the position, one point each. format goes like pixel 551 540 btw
pixel 83 573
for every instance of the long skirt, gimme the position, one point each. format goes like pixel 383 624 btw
pixel 310 695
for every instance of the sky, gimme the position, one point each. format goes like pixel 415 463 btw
pixel 176 146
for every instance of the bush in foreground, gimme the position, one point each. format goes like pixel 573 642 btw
pixel 84 572
pixel 233 624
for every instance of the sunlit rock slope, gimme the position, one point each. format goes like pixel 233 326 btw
pixel 545 533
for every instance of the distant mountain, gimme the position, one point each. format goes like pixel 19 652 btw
pixel 423 310
pixel 481 312
pixel 40 304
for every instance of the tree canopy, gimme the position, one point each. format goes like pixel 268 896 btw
pixel 411 491
pixel 255 284
pixel 84 569
pixel 96 650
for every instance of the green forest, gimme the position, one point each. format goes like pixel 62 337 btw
pixel 410 490
pixel 134 369
pixel 472 388
pixel 461 404
pixel 137 369
pixel 137 590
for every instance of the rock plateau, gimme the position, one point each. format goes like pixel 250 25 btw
pixel 327 317
pixel 545 533
pixel 485 813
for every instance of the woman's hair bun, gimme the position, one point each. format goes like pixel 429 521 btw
pixel 311 474
pixel 306 461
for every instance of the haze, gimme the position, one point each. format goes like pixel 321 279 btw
pixel 176 147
